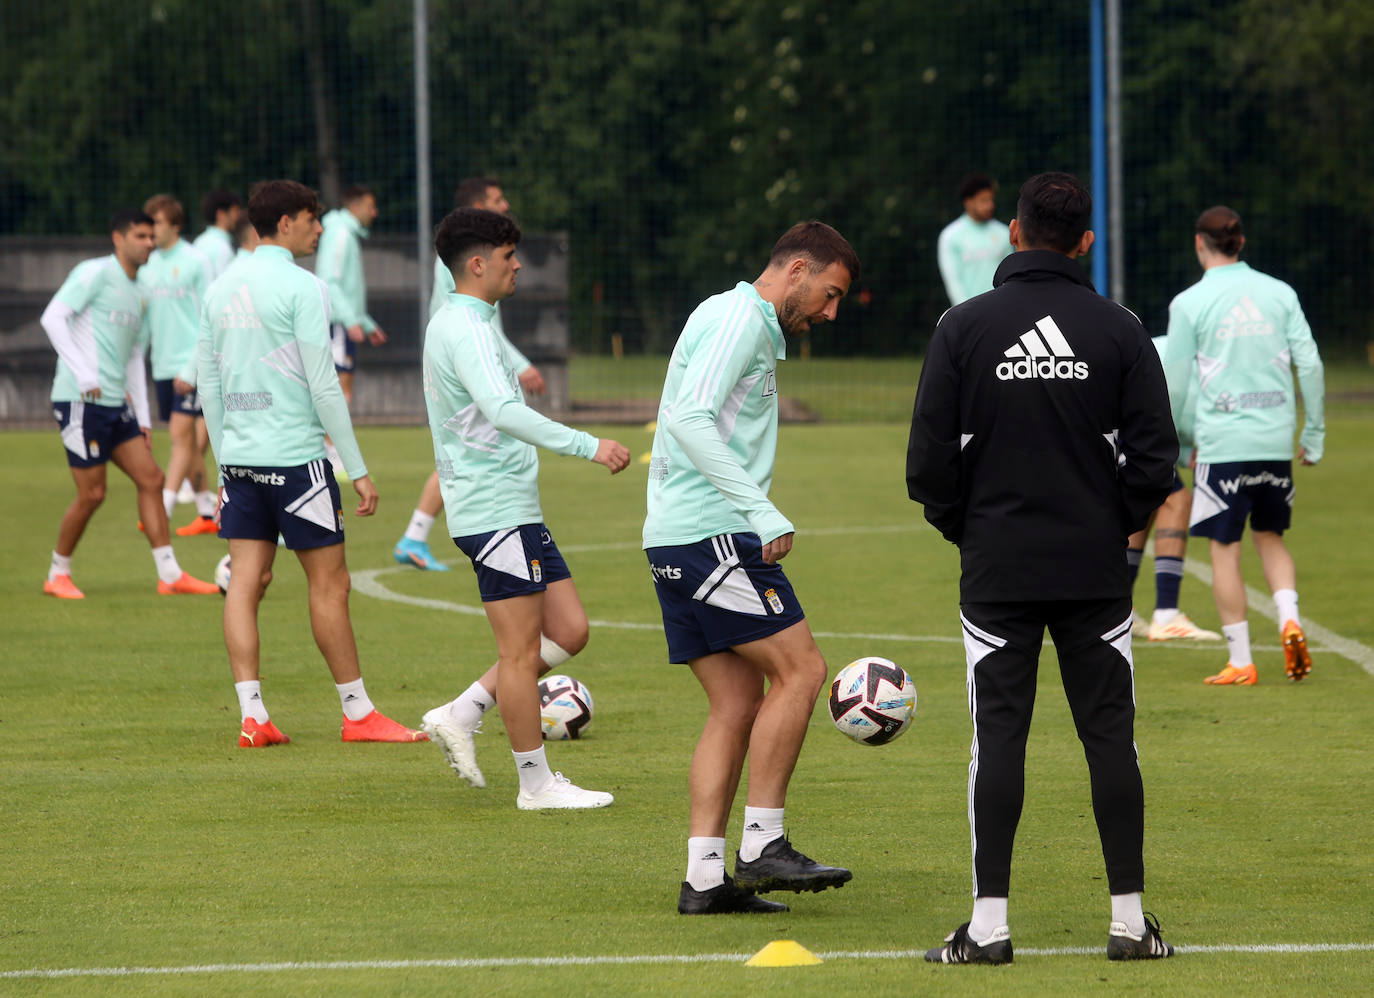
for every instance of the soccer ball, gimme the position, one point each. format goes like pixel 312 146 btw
pixel 222 574
pixel 872 700
pixel 565 707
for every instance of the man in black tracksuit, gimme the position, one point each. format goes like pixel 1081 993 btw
pixel 1041 439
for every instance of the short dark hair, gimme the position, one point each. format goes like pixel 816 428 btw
pixel 125 219
pixel 1053 211
pixel 975 183
pixel 464 230
pixel 820 244
pixel 1221 230
pixel 215 202
pixel 169 206
pixel 472 190
pixel 355 192
pixel 274 198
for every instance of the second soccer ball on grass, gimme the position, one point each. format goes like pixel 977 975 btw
pixel 222 574
pixel 565 707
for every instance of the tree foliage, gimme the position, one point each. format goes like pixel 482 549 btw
pixel 673 140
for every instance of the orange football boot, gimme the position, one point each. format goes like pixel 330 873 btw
pixel 377 727
pixel 62 587
pixel 255 735
pixel 1246 675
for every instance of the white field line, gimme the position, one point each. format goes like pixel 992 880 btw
pixel 368 583
pixel 471 963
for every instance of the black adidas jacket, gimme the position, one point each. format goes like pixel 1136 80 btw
pixel 1041 436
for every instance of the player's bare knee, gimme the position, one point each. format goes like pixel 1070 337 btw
pixel 91 496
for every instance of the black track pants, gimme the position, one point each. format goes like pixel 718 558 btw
pixel 1002 643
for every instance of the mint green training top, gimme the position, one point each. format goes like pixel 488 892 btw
pixel 218 249
pixel 174 282
pixel 265 372
pixel 968 253
pixel 717 432
pixel 103 335
pixel 1234 338
pixel 484 434
pixel 339 263
pixel 443 286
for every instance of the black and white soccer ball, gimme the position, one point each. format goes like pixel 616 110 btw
pixel 565 708
pixel 872 700
pixel 222 574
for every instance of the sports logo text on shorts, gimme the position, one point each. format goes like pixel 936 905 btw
pixel 1042 353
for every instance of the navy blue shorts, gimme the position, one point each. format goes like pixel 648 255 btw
pixel 169 400
pixel 515 561
pixel 301 504
pixel 345 351
pixel 1178 483
pixel 719 593
pixel 91 432
pixel 1225 494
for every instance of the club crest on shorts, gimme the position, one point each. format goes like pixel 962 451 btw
pixel 536 573
pixel 774 601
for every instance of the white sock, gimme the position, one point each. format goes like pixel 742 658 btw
pixel 61 565
pixel 167 568
pixel 705 863
pixel 471 705
pixel 1126 909
pixel 1286 603
pixel 533 770
pixel 205 504
pixel 169 501
pixel 761 826
pixel 989 915
pixel 1162 617
pixel 420 523
pixel 1238 643
pixel 250 701
pixel 354 700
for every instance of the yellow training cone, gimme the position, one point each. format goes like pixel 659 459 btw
pixel 646 457
pixel 783 953
pixel 651 426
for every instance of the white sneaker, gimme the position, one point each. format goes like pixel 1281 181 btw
pixel 562 793
pixel 1140 627
pixel 186 495
pixel 1180 627
pixel 456 743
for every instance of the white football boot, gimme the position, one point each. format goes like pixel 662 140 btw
pixel 456 743
pixel 562 793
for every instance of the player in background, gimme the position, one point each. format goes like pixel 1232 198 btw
pixel 221 211
pixel 269 392
pixel 1039 442
pixel 174 282
pixel 1234 338
pixel 1170 525
pixel 484 450
pixel 713 540
pixel 413 547
pixel 100 400
pixel 339 263
pixel 247 238
pixel 970 247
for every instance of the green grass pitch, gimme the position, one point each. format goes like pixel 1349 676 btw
pixel 136 835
